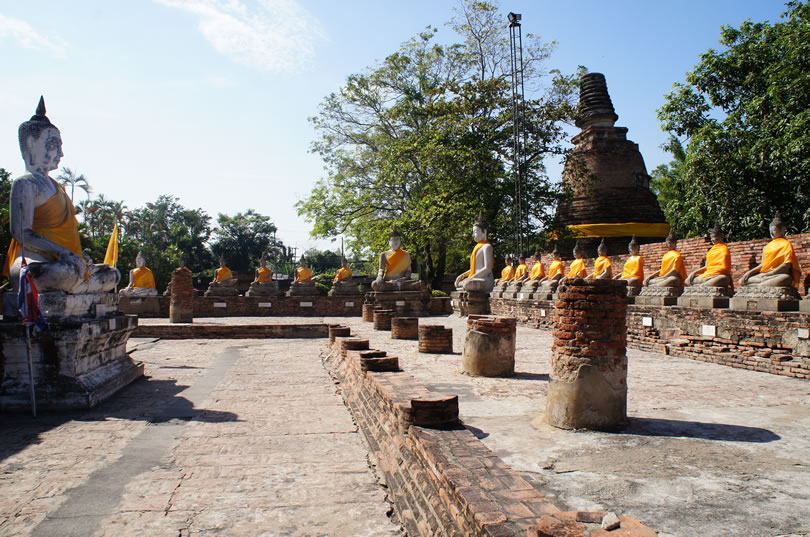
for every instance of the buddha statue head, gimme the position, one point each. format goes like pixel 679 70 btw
pixel 537 255
pixel 717 236
pixel 778 227
pixel 602 248
pixel 522 259
pixel 672 242
pixel 395 239
pixel 343 262
pixel 140 261
pixel 263 259
pixel 40 142
pixel 507 259
pixel 221 261
pixel 578 250
pixel 556 253
pixel 633 247
pixel 480 229
pixel 302 262
pixel 181 262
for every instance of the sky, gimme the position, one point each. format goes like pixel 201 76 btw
pixel 208 100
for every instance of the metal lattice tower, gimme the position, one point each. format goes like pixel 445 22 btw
pixel 521 215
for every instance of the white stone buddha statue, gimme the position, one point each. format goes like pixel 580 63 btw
pixel 779 266
pixel 141 280
pixel 44 222
pixel 303 284
pixel 263 284
pixel 224 283
pixel 602 267
pixel 716 272
pixel 672 273
pixel 556 271
pixel 342 283
pixel 479 278
pixel 394 273
pixel 633 271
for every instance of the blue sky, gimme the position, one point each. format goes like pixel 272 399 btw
pixel 208 100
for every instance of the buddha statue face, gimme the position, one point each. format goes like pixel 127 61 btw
pixel 522 260
pixel 394 242
pixel 717 237
pixel 42 154
pixel 221 262
pixel 263 259
pixel 672 243
pixel 633 248
pixel 139 260
pixel 577 252
pixel 479 234
pixel 778 230
pixel 602 250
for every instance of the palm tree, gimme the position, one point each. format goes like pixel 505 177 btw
pixel 67 176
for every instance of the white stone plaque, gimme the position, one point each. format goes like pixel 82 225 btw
pixel 112 325
pixel 348 304
pixel 400 302
pixel 220 304
pixel 646 321
pixel 305 304
pixel 542 313
pixel 804 333
pixel 265 304
pixel 522 296
pixel 708 330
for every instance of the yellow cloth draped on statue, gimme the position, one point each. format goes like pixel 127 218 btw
pixel 673 260
pixel 303 274
pixel 624 229
pixel 778 252
pixel 343 273
pixel 577 269
pixel 224 273
pixel 264 274
pixel 718 261
pixel 521 270
pixel 537 271
pixel 397 262
pixel 601 264
pixel 633 268
pixel 555 268
pixel 472 257
pixel 142 278
pixel 508 272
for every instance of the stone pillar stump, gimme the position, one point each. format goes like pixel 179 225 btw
pixel 368 312
pixel 405 328
pixel 382 319
pixel 181 307
pixel 588 380
pixel 489 346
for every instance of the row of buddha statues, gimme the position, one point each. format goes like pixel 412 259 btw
pixel 777 276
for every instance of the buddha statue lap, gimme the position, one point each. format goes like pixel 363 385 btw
pixel 633 271
pixel 303 284
pixel 479 278
pixel 141 280
pixel 602 267
pixel 43 222
pixel 263 284
pixel 395 269
pixel 343 285
pixel 666 284
pixel 224 283
pixel 556 271
pixel 777 276
pixel 536 274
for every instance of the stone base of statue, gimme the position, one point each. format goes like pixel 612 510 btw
pixel 404 303
pixel 79 361
pixel 804 305
pixel 658 296
pixel 221 290
pixel 466 303
pixel 302 289
pixel 754 298
pixel 140 304
pixel 142 291
pixel 263 289
pixel 498 289
pixel 704 297
pixel 344 289
pixel 512 290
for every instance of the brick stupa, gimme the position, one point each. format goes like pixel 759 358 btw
pixel 607 175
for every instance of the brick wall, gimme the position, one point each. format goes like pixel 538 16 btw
pixel 252 331
pixel 248 306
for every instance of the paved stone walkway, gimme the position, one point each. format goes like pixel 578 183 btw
pixel 236 438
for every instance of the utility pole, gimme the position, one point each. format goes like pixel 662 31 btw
pixel 518 129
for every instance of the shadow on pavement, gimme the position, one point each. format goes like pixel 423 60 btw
pixel 696 429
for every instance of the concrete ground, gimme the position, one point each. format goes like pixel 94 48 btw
pixel 248 437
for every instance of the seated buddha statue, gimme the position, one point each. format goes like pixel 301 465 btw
pixel 717 270
pixel 521 275
pixel 507 275
pixel 577 269
pixel 223 284
pixel 672 273
pixel 779 268
pixel 303 284
pixel 602 267
pixel 479 278
pixel 263 283
pixel 536 274
pixel 43 222
pixel 141 280
pixel 556 271
pixel 633 271
pixel 342 284
pixel 395 268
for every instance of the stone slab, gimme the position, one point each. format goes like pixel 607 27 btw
pixel 656 300
pixel 409 303
pixel 465 303
pixel 763 304
pixel 804 305
pixel 703 302
pixel 58 306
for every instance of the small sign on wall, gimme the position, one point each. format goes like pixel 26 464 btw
pixel 646 321
pixel 348 304
pixel 709 330
pixel 265 304
pixel 804 333
pixel 400 302
pixel 542 313
pixel 522 296
pixel 305 304
pixel 220 305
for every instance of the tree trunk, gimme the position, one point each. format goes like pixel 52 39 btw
pixel 426 268
pixel 441 262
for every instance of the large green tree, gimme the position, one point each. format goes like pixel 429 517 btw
pixel 424 140
pixel 242 239
pixel 744 112
pixel 5 229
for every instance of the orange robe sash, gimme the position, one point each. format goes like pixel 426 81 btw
pixel 472 257
pixel 397 262
pixel 673 260
pixel 556 267
pixel 718 261
pixel 54 220
pixel 521 270
pixel 537 271
pixel 224 273
pixel 303 274
pixel 343 273
pixel 142 278
pixel 265 274
pixel 577 269
pixel 778 252
pixel 601 264
pixel 633 268
pixel 508 272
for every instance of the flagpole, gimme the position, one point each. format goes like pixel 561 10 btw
pixel 28 340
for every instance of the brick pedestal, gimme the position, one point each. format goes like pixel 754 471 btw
pixel 588 381
pixel 489 346
pixel 338 331
pixel 405 328
pixel 435 339
pixel 382 319
pixel 368 312
pixel 181 308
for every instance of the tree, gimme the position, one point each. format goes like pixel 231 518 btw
pixel 424 140
pixel 666 182
pixel 68 177
pixel 5 227
pixel 243 238
pixel 744 112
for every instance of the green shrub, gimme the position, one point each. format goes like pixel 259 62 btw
pixel 438 293
pixel 323 290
